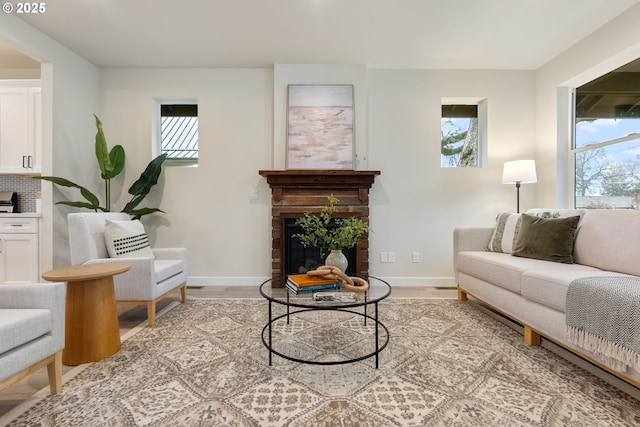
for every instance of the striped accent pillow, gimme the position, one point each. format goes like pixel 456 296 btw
pixel 505 233
pixel 126 239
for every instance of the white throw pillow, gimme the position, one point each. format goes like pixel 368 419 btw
pixel 126 239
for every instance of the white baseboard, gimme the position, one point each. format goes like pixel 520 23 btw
pixel 225 281
pixel 431 282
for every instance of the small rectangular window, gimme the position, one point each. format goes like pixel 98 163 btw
pixel 179 131
pixel 459 136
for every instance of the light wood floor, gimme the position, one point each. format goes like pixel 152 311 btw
pixel 130 317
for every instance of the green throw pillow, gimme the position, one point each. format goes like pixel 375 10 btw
pixel 549 239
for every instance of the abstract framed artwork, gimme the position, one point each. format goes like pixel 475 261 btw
pixel 320 127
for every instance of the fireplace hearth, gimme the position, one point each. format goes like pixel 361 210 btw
pixel 294 192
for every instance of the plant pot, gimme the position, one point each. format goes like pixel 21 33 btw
pixel 337 259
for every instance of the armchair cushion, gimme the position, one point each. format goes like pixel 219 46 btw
pixel 126 239
pixel 167 268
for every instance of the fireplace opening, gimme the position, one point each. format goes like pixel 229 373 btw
pixel 298 259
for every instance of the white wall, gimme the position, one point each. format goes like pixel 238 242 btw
pixel 415 203
pixel 208 207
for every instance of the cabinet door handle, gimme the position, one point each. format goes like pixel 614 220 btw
pixel 30 161
pixel 24 162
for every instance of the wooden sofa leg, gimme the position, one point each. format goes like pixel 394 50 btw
pixel 462 295
pixel 54 370
pixel 151 313
pixel 183 292
pixel 531 337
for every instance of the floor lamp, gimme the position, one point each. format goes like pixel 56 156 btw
pixel 519 172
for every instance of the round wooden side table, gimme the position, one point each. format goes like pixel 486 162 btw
pixel 91 330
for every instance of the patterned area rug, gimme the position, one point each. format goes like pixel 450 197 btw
pixel 447 364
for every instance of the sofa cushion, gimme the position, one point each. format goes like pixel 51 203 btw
pixel 500 269
pixel 549 239
pixel 19 326
pixel 609 239
pixel 126 239
pixel 549 286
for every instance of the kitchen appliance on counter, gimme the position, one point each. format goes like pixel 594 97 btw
pixel 9 202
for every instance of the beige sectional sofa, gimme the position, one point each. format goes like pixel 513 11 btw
pixel 533 291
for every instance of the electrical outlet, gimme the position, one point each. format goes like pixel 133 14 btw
pixel 392 257
pixel 415 257
pixel 384 257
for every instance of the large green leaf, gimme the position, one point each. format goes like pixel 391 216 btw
pixel 135 201
pixel 137 213
pixel 116 157
pixel 92 198
pixel 102 151
pixel 94 202
pixel 58 181
pixel 149 177
pixel 81 205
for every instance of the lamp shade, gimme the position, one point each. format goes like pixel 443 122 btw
pixel 519 172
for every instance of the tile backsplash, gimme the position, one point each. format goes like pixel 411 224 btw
pixel 25 186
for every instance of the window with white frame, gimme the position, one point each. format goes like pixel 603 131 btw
pixel 606 140
pixel 176 130
pixel 463 133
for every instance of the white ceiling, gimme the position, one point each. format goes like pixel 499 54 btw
pixel 459 34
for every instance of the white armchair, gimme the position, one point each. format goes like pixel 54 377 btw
pixel 32 331
pixel 150 278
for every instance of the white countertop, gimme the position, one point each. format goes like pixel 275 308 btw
pixel 20 215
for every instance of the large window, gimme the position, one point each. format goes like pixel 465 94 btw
pixel 462 130
pixel 606 148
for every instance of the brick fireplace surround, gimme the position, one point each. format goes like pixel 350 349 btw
pixel 294 192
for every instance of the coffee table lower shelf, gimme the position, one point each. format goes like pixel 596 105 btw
pixel 380 344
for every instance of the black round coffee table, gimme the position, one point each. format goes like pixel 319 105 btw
pixel 295 304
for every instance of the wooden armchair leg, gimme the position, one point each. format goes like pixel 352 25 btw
pixel 462 295
pixel 54 370
pixel 151 313
pixel 183 292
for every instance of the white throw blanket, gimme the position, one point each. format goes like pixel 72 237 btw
pixel 603 317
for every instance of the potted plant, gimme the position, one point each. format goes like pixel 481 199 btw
pixel 325 233
pixel 111 163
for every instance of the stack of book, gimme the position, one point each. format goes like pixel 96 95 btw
pixel 297 283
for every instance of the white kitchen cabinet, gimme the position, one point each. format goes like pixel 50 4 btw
pixel 20 128
pixel 19 250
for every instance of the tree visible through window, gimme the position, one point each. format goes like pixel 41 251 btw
pixel 606 146
pixel 179 131
pixel 459 136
